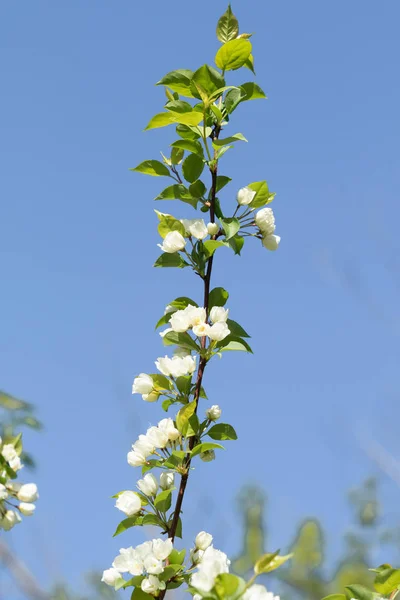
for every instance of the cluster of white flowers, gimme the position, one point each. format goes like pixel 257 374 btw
pixel 156 437
pixel 177 366
pixel 195 318
pixel 258 592
pixel 209 562
pixel 146 559
pixel 265 221
pixel 174 241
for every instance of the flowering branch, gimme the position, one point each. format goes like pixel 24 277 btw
pixel 197 333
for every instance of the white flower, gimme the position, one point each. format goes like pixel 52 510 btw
pixel 195 227
pixel 10 519
pixel 11 456
pixel 148 485
pixel 3 492
pixel 196 315
pixel 173 242
pixel 176 366
pixel 167 425
pixel 207 456
pixel 271 242
pixel 144 550
pixel 152 397
pixel 167 479
pixel 219 314
pixel 143 445
pixel 203 540
pixel 129 503
pixel 258 592
pixel 142 384
pixel 152 565
pixel 213 563
pixel 212 228
pixel 245 196
pixel 27 508
pixel 265 220
pixel 196 555
pixel 152 584
pixel 28 492
pixel 157 436
pixel 136 458
pixel 201 330
pixel 214 412
pixel 111 576
pixel 128 561
pixel 218 331
pixel 180 321
pixel 162 548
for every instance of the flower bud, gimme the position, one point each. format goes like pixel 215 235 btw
pixel 28 492
pixel 10 519
pixel 167 479
pixel 265 220
pixel 151 584
pixel 3 492
pixel 218 331
pixel 214 412
pixel 152 397
pixel 129 503
pixel 148 485
pixel 245 196
pixel 195 227
pixel 142 384
pixel 207 456
pixel 27 508
pixel 111 577
pixel 136 458
pixel 219 314
pixel 173 242
pixel 196 555
pixel 271 242
pixel 203 540
pixel 212 228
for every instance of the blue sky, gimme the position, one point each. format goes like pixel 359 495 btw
pixel 80 297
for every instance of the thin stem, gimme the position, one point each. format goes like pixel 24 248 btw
pixel 205 136
pixel 203 361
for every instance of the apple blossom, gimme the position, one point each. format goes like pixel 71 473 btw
pixel 271 242
pixel 176 366
pixel 152 397
pixel 202 329
pixel 162 548
pixel 111 577
pixel 128 561
pixel 203 540
pixel 167 425
pixel 3 492
pixel 151 585
pixel 218 331
pixel 148 485
pixel 136 458
pixel 157 436
pixel 9 520
pixel 219 314
pixel 245 196
pixel 258 592
pixel 265 220
pixel 142 384
pixel 28 492
pixel 212 228
pixel 129 503
pixel 213 563
pixel 27 508
pixel 195 227
pixel 214 412
pixel 167 479
pixel 153 565
pixel 173 242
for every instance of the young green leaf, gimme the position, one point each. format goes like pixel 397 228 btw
pixel 229 586
pixel 236 329
pixel 359 592
pixel 192 167
pixel 198 189
pixel 179 106
pixel 387 580
pixel 218 297
pixel 210 246
pixel 230 226
pixel 190 145
pixel 177 192
pixel 253 91
pixel 128 523
pixel 187 132
pixel 163 501
pixel 228 26
pixel 249 64
pixel 233 343
pixel 168 224
pixel 207 79
pixel 222 181
pixel 236 243
pixel 263 195
pixel 180 339
pixel 171 260
pixel 269 562
pixel 183 416
pixel 233 54
pixel 237 137
pixel 222 431
pixel 178 81
pixel 152 167
pixel 204 447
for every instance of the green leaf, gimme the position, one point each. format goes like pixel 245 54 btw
pixel 177 192
pixel 252 91
pixel 171 260
pixel 169 572
pixel 204 447
pixel 188 133
pixel 183 416
pixel 198 189
pixel 179 106
pixel 218 297
pixel 177 156
pixel 151 519
pixel 233 54
pixel 163 501
pixel 249 64
pixel 192 167
pixel 181 339
pixel 152 167
pixel 169 223
pixel 176 459
pixel 233 343
pixel 222 431
pixel 359 592
pixel 210 246
pixel 269 562
pixel 139 594
pixel 263 195
pixel 177 557
pixel 387 580
pixel 221 151
pixel 160 120
pixel 161 382
pixel 12 403
pixel 335 597
pixel 150 464
pixel 229 586
pixel 230 226
pixel 228 26
pixel 222 181
pixel 232 99
pixel 236 243
pixel 167 118
pixel 190 146
pixel 166 404
pixel 236 329
pixel 184 384
pixel 237 137
pixel 178 81
pixel 207 80
pixel 127 524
